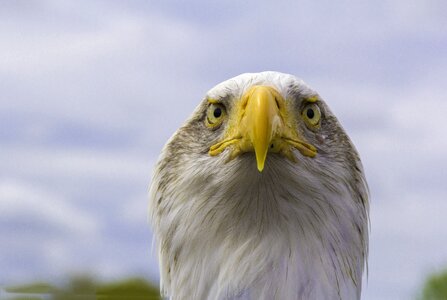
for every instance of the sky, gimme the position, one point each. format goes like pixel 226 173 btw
pixel 91 90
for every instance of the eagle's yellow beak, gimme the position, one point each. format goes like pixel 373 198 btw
pixel 261 121
pixel 262 124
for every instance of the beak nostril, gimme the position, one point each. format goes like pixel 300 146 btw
pixel 277 103
pixel 272 146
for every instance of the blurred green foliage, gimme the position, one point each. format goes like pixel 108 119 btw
pixel 129 289
pixel 85 288
pixel 33 288
pixel 27 298
pixel 435 287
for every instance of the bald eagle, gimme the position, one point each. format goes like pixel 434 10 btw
pixel 260 195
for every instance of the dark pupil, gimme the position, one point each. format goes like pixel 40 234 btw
pixel 217 112
pixel 310 113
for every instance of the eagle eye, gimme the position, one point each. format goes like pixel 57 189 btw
pixel 215 114
pixel 312 115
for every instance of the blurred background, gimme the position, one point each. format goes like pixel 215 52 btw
pixel 91 90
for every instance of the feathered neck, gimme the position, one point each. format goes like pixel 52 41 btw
pixel 285 233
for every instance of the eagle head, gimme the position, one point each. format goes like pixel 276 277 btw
pixel 260 195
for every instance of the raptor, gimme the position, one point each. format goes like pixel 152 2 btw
pixel 260 195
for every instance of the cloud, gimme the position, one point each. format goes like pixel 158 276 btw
pixel 75 163
pixel 65 210
pixel 35 208
pixel 34 226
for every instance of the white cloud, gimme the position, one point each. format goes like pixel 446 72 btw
pixel 39 231
pixel 75 163
pixel 135 211
pixel 23 203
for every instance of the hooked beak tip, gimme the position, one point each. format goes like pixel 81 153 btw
pixel 260 161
